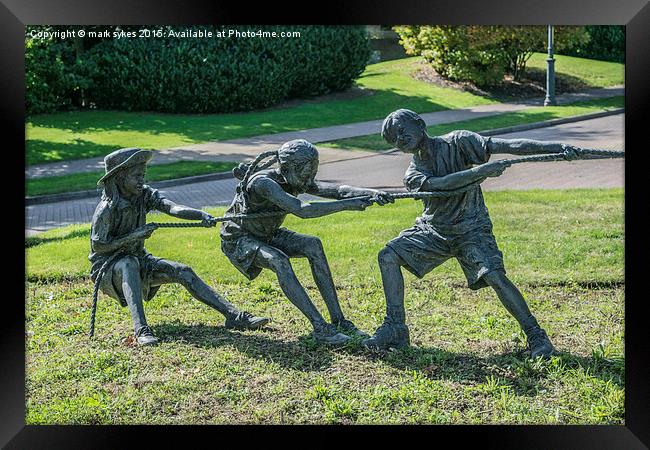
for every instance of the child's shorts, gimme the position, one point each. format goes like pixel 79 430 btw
pixel 423 249
pixel 147 264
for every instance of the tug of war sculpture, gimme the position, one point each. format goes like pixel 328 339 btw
pixel 445 173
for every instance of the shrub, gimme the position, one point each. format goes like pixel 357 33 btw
pixel 54 76
pixel 192 75
pixel 455 52
pixel 606 43
pixel 482 54
pixel 216 75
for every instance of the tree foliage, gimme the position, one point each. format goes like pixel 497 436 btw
pixel 483 54
pixel 606 43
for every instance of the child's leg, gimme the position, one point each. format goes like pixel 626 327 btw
pixel 390 266
pixel 393 332
pixel 511 298
pixel 126 273
pixel 174 272
pixel 270 258
pixel 300 245
pixel 538 341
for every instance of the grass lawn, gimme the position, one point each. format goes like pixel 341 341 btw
pixel 374 142
pixel 156 172
pixel 594 73
pixel 564 249
pixel 389 85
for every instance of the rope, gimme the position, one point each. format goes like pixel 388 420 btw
pixel 98 281
pixel 400 195
pixel 561 156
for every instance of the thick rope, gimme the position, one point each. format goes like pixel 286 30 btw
pixel 401 195
pixel 98 282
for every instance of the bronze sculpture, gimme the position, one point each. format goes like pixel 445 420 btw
pixel 253 245
pixel 121 266
pixel 452 226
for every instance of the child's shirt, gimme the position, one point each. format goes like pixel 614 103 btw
pixel 450 153
pixel 119 219
pixel 262 228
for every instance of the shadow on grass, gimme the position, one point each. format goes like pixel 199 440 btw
pixel 514 369
pixel 222 126
pixel 303 355
pixel 33 241
pixel 39 151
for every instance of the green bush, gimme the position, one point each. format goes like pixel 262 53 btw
pixel 482 54
pixel 54 77
pixel 326 59
pixel 606 43
pixel 192 75
pixel 454 52
pixel 196 75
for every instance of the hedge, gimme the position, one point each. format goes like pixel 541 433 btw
pixel 205 75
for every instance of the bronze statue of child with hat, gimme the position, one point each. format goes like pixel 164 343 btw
pixel 121 266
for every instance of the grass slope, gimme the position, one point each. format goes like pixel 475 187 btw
pixel 155 172
pixel 374 142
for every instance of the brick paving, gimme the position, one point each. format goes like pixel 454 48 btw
pixel 385 170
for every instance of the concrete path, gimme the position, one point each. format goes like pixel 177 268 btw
pixel 242 149
pixel 385 170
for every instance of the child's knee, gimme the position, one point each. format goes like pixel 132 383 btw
pixel 387 256
pixel 281 265
pixel 186 273
pixel 496 279
pixel 314 248
pixel 128 264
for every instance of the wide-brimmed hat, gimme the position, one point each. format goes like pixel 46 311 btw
pixel 124 158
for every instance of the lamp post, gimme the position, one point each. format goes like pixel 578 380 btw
pixel 550 71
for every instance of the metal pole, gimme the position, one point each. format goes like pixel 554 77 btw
pixel 550 71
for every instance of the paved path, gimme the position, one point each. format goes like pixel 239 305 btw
pixel 385 170
pixel 242 149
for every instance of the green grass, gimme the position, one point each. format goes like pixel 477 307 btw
pixel 374 142
pixel 595 74
pixel 564 249
pixel 72 135
pixel 88 180
pixel 85 134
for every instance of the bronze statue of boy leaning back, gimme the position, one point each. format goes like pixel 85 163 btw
pixel 455 226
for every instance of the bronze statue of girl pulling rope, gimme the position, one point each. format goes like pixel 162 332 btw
pixel 262 243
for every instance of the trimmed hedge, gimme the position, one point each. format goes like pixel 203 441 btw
pixel 213 75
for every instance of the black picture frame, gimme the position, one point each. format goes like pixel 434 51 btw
pixel 635 14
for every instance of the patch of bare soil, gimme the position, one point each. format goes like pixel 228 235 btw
pixel 532 84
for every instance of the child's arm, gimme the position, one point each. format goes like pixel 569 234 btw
pixel 531 147
pixel 183 212
pixel 273 192
pixel 112 245
pixel 344 191
pixel 415 180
